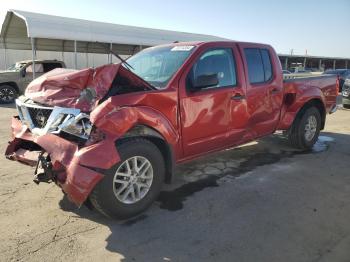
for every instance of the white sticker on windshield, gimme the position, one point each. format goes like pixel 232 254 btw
pixel 182 48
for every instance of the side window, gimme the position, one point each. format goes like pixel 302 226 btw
pixel 267 64
pixel 38 68
pixel 50 66
pixel 215 61
pixel 259 65
pixel 255 66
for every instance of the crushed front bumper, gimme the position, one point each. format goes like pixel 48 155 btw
pixel 78 169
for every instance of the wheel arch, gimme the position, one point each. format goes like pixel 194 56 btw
pixel 149 133
pixel 317 103
pixel 294 111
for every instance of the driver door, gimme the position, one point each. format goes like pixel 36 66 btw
pixel 207 113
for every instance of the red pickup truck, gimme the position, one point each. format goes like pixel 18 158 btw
pixel 112 135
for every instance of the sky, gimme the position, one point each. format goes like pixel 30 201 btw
pixel 315 27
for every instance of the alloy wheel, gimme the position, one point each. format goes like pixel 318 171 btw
pixel 133 179
pixel 310 128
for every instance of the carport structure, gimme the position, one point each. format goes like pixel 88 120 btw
pixel 23 30
pixel 314 62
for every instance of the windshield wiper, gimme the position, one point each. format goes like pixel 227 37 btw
pixel 118 56
pixel 127 65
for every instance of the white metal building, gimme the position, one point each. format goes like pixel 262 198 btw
pixel 79 43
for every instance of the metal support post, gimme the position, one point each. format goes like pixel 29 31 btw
pixel 286 63
pixel 32 40
pixel 75 55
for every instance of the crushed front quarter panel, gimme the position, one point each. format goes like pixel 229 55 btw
pixel 80 164
pixel 83 167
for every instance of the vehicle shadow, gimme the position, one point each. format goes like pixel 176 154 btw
pixel 12 105
pixel 169 226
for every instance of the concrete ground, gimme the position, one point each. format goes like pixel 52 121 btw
pixel 260 202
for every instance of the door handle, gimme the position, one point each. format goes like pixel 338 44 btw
pixel 238 97
pixel 275 91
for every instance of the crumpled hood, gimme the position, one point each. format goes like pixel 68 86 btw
pixel 81 89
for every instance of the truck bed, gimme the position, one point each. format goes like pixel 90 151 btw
pixel 325 83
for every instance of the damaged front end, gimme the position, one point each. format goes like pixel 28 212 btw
pixel 60 143
pixel 53 131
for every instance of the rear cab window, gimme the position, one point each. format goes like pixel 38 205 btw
pixel 259 65
pixel 50 66
pixel 38 68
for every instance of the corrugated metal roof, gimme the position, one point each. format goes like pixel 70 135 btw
pixel 53 33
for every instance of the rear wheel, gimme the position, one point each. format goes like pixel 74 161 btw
pixel 305 130
pixel 132 185
pixel 347 106
pixel 8 94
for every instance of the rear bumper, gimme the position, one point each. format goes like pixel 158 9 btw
pixel 346 100
pixel 78 169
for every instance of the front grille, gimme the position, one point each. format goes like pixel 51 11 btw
pixel 31 114
pixel 42 120
pixel 39 116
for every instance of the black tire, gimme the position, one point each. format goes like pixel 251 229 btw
pixel 8 94
pixel 296 134
pixel 346 106
pixel 103 198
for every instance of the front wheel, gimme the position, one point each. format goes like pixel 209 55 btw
pixel 305 130
pixel 8 94
pixel 132 185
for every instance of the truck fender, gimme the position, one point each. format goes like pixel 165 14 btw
pixel 146 122
pixel 295 103
pixel 118 122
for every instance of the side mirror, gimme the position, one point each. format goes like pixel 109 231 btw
pixel 204 81
pixel 22 72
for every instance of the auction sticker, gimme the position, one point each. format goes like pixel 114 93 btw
pixel 182 48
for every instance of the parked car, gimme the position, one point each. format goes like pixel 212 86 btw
pixel 342 73
pixel 298 70
pixel 14 80
pixel 111 136
pixel 346 93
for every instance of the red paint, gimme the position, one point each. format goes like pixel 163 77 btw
pixel 63 87
pixel 192 123
pixel 77 180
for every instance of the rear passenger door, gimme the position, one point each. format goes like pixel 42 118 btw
pixel 264 88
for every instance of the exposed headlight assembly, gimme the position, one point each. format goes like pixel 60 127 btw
pixel 79 125
pixel 42 120
pixel 68 120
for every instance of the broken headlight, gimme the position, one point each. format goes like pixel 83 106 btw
pixel 79 125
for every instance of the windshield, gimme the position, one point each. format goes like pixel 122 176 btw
pixel 157 65
pixel 15 67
